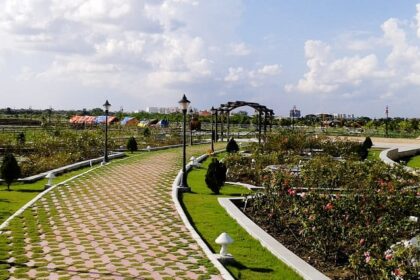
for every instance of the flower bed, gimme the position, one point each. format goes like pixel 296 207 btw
pixel 342 216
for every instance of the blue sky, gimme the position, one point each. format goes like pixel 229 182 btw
pixel 347 56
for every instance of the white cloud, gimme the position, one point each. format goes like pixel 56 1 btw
pixel 269 70
pixel 235 74
pixel 240 49
pixel 398 68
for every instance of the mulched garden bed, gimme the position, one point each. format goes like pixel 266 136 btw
pixel 290 239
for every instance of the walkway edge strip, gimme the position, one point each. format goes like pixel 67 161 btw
pixel 39 196
pixel 175 191
pixel 276 248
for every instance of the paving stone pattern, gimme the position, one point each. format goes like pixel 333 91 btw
pixel 117 222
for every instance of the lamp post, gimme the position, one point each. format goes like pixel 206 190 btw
pixel 213 112
pixel 386 121
pixel 183 104
pixel 191 126
pixel 106 106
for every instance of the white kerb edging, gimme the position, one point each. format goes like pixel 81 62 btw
pixel 276 248
pixel 212 257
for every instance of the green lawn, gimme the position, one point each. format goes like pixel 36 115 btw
pixel 252 261
pixel 374 153
pixel 414 162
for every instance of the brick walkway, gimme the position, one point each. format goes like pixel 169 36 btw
pixel 117 222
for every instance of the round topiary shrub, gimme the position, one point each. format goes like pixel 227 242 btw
pixel 215 176
pixel 232 146
pixel 132 144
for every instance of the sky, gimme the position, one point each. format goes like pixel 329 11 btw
pixel 348 56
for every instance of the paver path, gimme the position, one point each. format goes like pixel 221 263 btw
pixel 117 222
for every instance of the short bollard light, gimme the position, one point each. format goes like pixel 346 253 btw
pixel 224 240
pixel 50 176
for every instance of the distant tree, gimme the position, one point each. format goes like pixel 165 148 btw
pixel 232 146
pixel 215 176
pixel 97 112
pixel 10 169
pixel 132 144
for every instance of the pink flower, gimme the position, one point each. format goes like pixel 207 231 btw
pixel 397 272
pixel 329 206
pixel 362 242
pixel 291 192
pixel 388 254
pixel 367 257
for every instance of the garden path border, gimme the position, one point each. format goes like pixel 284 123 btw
pixel 175 197
pixel 275 247
pixel 389 156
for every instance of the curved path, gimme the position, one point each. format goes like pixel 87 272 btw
pixel 117 222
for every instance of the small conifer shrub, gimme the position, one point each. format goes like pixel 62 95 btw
pixel 10 169
pixel 132 144
pixel 215 176
pixel 232 146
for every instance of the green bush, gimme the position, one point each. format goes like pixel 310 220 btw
pixel 367 143
pixel 10 169
pixel 232 146
pixel 132 144
pixel 215 176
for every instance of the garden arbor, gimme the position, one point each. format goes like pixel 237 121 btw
pixel 221 116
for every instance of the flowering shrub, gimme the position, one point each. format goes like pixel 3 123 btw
pixel 353 227
pixel 51 152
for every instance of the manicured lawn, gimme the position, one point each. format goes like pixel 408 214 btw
pixel 252 261
pixel 374 153
pixel 414 162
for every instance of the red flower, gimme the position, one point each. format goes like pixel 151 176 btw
pixel 291 192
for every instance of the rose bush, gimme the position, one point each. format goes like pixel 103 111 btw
pixel 350 213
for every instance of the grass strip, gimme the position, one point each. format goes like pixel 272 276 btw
pixel 414 162
pixel 252 261
pixel 374 153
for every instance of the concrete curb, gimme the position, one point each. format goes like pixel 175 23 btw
pixel 389 156
pixel 68 168
pixel 276 248
pixel 210 255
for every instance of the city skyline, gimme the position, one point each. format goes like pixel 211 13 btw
pixel 323 56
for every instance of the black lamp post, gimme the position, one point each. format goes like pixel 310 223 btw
pixel 191 126
pixel 386 121
pixel 183 104
pixel 213 136
pixel 106 106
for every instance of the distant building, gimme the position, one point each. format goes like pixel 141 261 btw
pixel 294 113
pixel 162 110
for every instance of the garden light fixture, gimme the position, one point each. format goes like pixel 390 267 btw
pixel 50 176
pixel 224 240
pixel 183 104
pixel 107 105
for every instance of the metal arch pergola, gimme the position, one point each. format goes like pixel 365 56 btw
pixel 224 112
